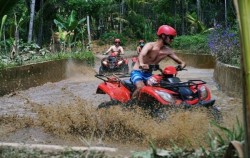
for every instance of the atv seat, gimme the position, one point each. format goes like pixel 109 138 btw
pixel 128 84
pixel 173 80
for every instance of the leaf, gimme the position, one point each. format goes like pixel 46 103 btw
pixel 59 24
pixel 71 22
pixel 2 23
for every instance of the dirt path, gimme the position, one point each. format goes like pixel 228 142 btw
pixel 79 89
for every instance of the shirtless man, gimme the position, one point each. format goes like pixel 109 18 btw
pixel 153 53
pixel 116 48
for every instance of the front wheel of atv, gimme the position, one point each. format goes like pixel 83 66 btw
pixel 215 113
pixel 108 104
pixel 101 70
pixel 125 69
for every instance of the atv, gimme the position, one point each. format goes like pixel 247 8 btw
pixel 114 63
pixel 162 91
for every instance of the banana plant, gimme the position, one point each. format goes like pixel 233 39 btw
pixel 243 12
pixel 198 26
pixel 2 24
pixel 68 26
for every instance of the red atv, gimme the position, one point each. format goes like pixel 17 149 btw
pixel 161 91
pixel 114 63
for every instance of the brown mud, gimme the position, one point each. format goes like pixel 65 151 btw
pixel 64 113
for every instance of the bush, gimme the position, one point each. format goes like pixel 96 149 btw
pixel 196 44
pixel 224 45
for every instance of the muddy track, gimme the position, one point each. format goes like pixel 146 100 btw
pixel 80 88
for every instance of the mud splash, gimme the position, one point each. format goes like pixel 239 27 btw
pixel 183 128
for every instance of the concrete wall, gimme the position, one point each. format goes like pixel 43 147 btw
pixel 229 79
pixel 24 77
pixel 199 61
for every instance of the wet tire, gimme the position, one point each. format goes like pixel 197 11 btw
pixel 216 114
pixel 125 69
pixel 133 63
pixel 160 114
pixel 101 70
pixel 108 104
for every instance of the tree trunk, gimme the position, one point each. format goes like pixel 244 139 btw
pixel 40 33
pixel 32 14
pixel 226 13
pixel 198 4
pixel 121 15
pixel 89 35
pixel 182 17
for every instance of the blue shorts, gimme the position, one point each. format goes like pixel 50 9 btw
pixel 138 75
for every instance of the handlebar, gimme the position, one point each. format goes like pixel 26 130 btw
pixel 151 67
pixel 155 67
pixel 179 68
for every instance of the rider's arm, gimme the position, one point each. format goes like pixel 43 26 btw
pixel 142 54
pixel 138 49
pixel 121 50
pixel 173 56
pixel 109 50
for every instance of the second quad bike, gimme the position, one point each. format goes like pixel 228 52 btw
pixel 162 90
pixel 114 63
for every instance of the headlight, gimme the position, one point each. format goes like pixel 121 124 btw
pixel 120 62
pixel 203 92
pixel 165 96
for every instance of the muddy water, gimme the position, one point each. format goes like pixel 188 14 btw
pixel 64 113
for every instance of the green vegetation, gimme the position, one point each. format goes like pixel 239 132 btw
pixel 35 58
pixel 196 44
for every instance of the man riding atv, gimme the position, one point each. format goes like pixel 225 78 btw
pixel 116 48
pixel 153 53
pixel 114 62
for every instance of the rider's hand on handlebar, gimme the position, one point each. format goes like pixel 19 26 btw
pixel 144 66
pixel 180 67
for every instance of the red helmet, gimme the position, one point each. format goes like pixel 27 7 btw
pixel 167 30
pixel 117 40
pixel 170 70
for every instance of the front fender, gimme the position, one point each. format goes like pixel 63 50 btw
pixel 116 91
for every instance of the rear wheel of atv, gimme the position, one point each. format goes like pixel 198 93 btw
pixel 108 104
